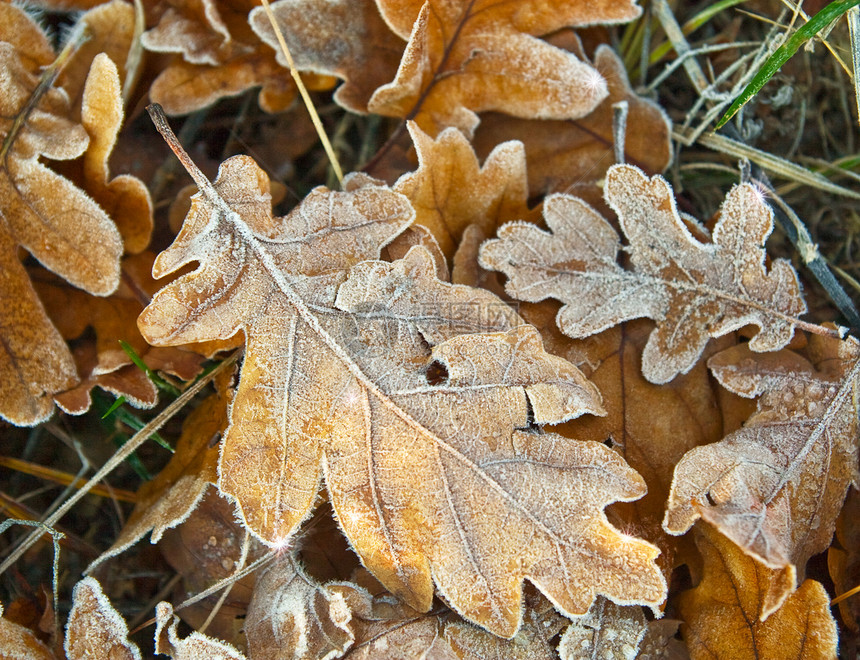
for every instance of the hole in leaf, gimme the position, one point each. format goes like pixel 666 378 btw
pixel 436 373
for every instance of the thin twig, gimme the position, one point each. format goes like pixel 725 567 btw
pixel 124 452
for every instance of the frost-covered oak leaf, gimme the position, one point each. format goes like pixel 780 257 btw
pixel 450 190
pixel 470 56
pixel 95 629
pixel 722 614
pixel 693 290
pixel 409 396
pixel 218 55
pixel 573 155
pixel 47 215
pixel 343 38
pixel 776 486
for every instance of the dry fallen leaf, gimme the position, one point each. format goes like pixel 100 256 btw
pixel 572 156
pixel 101 360
pixel 125 198
pixel 775 486
pixel 722 614
pixel 343 38
pixel 292 616
pixel 339 378
pixel 220 56
pixel 843 559
pixel 384 627
pixel 95 629
pixel 16 642
pixel 193 647
pixel 651 426
pixel 450 190
pixel 469 56
pixel 206 548
pixel 692 290
pixel 109 29
pixel 47 215
pixel 608 631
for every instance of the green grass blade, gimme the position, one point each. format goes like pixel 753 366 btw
pixel 116 404
pixel 159 382
pixel 782 54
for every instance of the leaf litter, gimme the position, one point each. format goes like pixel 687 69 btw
pixel 428 454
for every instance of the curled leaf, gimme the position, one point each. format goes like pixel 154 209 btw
pixel 776 486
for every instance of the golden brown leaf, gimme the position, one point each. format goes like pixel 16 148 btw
pixel 651 426
pixel 608 631
pixel 167 500
pixel 109 29
pixel 776 486
pixel 193 647
pixel 693 290
pixel 722 615
pixel 572 156
pixel 125 198
pixel 16 642
pixel 102 361
pixel 469 56
pixel 450 190
pixel 422 473
pixel 343 38
pixel 95 629
pixel 220 56
pixel 292 616
pixel 47 215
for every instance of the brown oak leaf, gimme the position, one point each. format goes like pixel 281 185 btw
pixel 775 486
pixel 47 215
pixel 208 547
pixel 843 559
pixel 92 77
pixel 571 156
pixel 108 29
pixel 95 629
pixel 607 631
pixel 195 646
pixel 220 56
pixel 469 56
pixel 343 38
pixel 372 374
pixel 651 426
pixel 450 190
pixel 385 627
pixel 722 614
pixel 101 361
pixel 292 616
pixel 17 641
pixel 693 290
